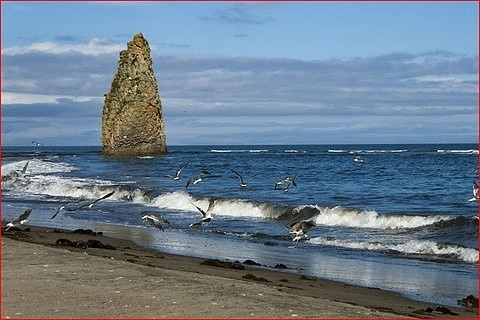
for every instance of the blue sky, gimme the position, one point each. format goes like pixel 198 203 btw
pixel 248 72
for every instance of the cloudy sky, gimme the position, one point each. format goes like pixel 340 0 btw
pixel 248 72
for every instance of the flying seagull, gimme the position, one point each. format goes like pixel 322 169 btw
pixel 22 219
pixel 156 220
pixel 195 180
pixel 243 183
pixel 177 174
pixel 207 216
pixel 88 204
pixel 300 229
pixel 287 180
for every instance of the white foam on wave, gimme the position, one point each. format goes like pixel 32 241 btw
pixel 366 151
pixel 36 167
pixel 183 201
pixel 238 150
pixel 347 217
pixel 416 247
pixel 42 180
pixel 467 151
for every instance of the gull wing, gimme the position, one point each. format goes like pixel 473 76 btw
pixel 25 167
pixel 181 168
pixel 238 175
pixel 23 217
pixel 204 214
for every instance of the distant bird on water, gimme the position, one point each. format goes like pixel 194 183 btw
pixel 177 174
pixel 207 215
pixel 22 219
pixel 243 183
pixel 476 196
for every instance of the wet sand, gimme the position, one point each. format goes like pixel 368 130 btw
pixel 48 273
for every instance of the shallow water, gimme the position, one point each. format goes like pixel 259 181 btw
pixel 400 221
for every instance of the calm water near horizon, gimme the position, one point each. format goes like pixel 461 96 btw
pixel 400 220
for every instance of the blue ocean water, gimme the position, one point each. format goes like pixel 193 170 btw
pixel 400 220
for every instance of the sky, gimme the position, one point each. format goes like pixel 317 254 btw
pixel 247 72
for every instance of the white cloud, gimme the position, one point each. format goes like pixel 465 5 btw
pixel 94 47
pixel 9 98
pixel 222 99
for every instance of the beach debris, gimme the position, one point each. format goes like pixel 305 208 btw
pixel 250 276
pixel 304 277
pixel 91 243
pixel 87 231
pixel 468 302
pixel 249 262
pixel 18 222
pixel 439 310
pixel 223 264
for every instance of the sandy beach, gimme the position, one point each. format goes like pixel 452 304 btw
pixel 49 273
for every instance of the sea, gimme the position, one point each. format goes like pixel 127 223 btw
pixel 400 220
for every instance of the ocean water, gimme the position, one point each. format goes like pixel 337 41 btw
pixel 400 220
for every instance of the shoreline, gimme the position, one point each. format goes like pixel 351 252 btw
pixel 86 274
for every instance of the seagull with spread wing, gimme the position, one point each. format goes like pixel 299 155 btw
pixel 206 215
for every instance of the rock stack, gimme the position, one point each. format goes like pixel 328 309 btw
pixel 132 121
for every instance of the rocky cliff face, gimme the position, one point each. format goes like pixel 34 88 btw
pixel 132 121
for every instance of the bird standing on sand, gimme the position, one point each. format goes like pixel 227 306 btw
pixel 207 216
pixel 156 220
pixel 177 174
pixel 243 183
pixel 300 229
pixel 22 219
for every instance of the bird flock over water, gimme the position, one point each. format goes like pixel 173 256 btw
pixel 297 229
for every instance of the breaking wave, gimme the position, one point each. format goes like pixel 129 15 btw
pixel 414 248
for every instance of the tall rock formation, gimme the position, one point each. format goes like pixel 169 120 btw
pixel 132 121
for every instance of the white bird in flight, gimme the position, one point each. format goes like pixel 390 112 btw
pixel 207 215
pixel 243 183
pixel 177 174
pixel 156 220
pixel 22 219
pixel 300 229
